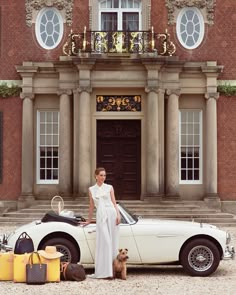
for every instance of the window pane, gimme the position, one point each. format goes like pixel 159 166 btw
pixel 183 174
pixel 190 145
pixel 49 28
pixel 49 141
pixel 109 21
pixel 130 21
pixel 190 27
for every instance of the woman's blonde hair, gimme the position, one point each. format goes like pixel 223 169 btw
pixel 98 170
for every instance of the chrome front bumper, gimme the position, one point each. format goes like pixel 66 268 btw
pixel 229 253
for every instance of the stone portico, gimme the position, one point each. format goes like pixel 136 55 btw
pixel 165 85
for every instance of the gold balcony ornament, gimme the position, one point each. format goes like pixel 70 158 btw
pixel 84 40
pixel 119 103
pixel 72 45
pixel 168 47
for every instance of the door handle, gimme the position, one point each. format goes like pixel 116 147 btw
pixel 92 231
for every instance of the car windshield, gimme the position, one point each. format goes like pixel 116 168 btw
pixel 131 218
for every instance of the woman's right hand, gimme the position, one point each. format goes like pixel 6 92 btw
pixel 84 223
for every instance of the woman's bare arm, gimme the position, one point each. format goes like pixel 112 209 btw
pixel 113 199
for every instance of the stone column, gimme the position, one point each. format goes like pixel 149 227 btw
pixel 161 107
pixel 84 142
pixel 76 143
pixel 28 172
pixel 211 146
pixel 172 143
pixel 152 173
pixel 65 143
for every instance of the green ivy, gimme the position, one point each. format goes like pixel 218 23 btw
pixel 8 91
pixel 227 90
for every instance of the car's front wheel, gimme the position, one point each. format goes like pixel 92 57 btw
pixel 200 257
pixel 66 247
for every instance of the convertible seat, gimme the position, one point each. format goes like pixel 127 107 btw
pixel 52 216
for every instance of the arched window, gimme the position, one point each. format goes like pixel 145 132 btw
pixel 190 27
pixel 49 28
pixel 123 15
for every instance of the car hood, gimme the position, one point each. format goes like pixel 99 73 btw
pixel 25 227
pixel 146 221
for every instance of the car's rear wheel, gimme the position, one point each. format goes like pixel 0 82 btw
pixel 67 248
pixel 200 257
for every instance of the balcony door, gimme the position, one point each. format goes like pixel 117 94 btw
pixel 120 15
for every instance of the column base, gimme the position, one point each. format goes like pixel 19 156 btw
pixel 152 197
pixel 212 200
pixel 25 200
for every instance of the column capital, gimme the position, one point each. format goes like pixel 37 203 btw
pixel 24 95
pixel 149 89
pixel 176 92
pixel 214 95
pixel 64 91
pixel 87 89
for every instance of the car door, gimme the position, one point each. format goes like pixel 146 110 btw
pixel 126 240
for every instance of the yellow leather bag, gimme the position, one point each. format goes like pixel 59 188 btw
pixel 6 266
pixel 19 266
pixel 53 269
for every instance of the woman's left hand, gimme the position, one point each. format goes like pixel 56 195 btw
pixel 118 220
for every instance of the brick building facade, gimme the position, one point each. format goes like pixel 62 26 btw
pixel 149 150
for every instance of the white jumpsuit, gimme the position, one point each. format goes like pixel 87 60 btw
pixel 107 232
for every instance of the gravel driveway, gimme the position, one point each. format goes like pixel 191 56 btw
pixel 140 281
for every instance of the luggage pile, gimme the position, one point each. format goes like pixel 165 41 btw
pixel 24 265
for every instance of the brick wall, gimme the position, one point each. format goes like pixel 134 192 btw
pixel 10 188
pixel 18 41
pixel 219 41
pixel 227 148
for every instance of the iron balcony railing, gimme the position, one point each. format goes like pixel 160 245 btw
pixel 118 42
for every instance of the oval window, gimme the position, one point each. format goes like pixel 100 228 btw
pixel 190 27
pixel 49 28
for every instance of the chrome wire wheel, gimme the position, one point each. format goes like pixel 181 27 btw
pixel 65 251
pixel 200 258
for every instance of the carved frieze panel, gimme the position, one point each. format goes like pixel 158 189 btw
pixel 36 5
pixel 108 103
pixel 208 5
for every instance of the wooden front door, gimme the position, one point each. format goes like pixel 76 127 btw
pixel 119 152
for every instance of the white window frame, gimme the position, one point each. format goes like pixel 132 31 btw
pixel 202 27
pixel 38 180
pixel 200 148
pixel 37 28
pixel 120 12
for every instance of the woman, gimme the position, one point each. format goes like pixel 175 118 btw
pixel 102 196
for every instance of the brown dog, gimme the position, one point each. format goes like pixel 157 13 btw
pixel 119 264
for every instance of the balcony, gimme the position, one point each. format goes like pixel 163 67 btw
pixel 119 42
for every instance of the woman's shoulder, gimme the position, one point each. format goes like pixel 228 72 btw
pixel 91 188
pixel 108 186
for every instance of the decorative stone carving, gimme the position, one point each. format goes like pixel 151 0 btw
pixel 31 5
pixel 62 91
pixel 24 95
pixel 87 89
pixel 209 5
pixel 176 92
pixel 214 95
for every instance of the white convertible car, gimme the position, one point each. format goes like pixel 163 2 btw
pixel 198 247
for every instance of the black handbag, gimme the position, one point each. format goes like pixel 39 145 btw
pixel 24 244
pixel 36 273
